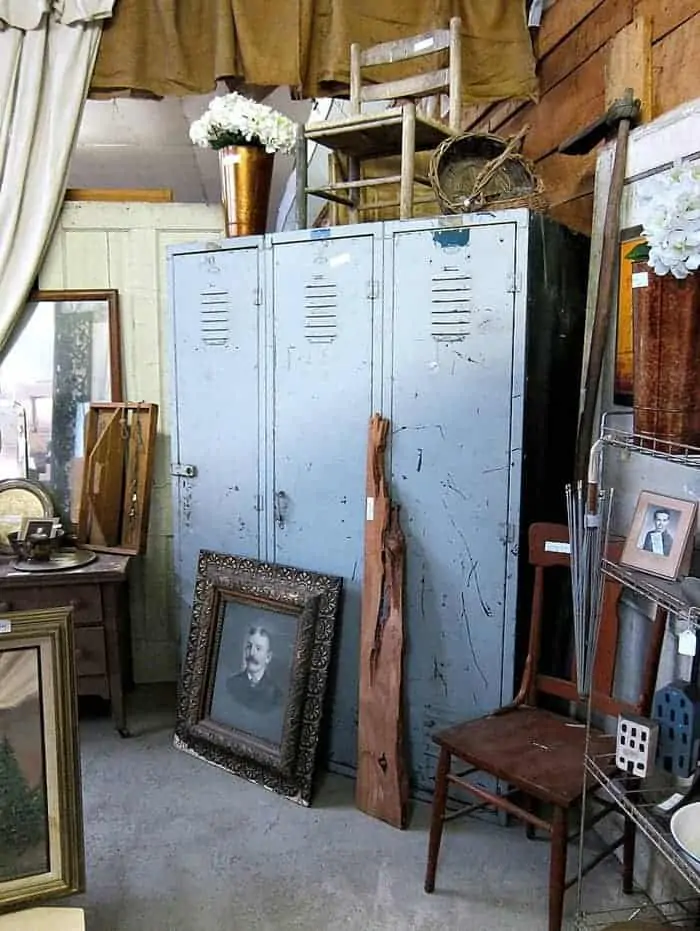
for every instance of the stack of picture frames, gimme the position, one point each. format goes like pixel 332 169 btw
pixel 41 827
pixel 115 494
pixel 255 672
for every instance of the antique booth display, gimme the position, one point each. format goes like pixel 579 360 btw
pixel 255 673
pixel 41 830
pixel 67 354
pixel 660 539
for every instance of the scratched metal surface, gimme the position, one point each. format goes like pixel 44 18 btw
pixel 323 398
pixel 452 327
pixel 216 323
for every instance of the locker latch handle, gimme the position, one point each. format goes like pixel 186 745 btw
pixel 281 502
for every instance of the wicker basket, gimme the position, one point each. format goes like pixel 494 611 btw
pixel 476 171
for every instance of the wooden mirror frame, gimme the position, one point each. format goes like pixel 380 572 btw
pixel 111 295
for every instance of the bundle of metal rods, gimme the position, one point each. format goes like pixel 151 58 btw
pixel 588 510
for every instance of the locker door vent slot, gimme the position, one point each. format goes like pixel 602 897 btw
pixel 450 310
pixel 320 306
pixel 214 324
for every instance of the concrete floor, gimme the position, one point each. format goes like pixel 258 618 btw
pixel 174 844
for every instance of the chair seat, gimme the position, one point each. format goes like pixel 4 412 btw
pixel 536 751
pixel 376 135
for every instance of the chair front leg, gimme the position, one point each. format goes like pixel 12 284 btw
pixel 628 848
pixel 557 868
pixel 408 160
pixel 438 813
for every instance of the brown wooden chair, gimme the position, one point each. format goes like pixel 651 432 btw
pixel 399 130
pixel 537 753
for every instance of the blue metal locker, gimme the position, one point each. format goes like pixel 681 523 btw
pixel 217 425
pixel 454 325
pixel 324 291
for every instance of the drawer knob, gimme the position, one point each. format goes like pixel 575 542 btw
pixel 5 606
pixel 75 603
pixel 78 653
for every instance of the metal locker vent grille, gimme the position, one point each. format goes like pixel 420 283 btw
pixel 320 307
pixel 214 318
pixel 449 312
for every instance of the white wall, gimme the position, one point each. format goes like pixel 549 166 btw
pixel 122 246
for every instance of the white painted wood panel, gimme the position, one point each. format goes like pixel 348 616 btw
pixel 122 246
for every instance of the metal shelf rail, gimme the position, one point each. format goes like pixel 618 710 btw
pixel 639 804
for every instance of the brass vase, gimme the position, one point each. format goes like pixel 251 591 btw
pixel 246 173
pixel 666 326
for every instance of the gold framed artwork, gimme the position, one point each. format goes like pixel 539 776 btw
pixel 624 342
pixel 41 827
pixel 660 540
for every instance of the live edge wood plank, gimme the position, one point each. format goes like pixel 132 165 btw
pixel 382 784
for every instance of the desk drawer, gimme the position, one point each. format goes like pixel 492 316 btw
pixel 90 652
pixel 85 600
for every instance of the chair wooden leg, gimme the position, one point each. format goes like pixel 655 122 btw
pixel 628 848
pixel 557 868
pixel 302 179
pixel 529 806
pixel 437 823
pixel 354 175
pixel 408 160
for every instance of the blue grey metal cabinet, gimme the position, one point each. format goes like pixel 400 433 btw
pixel 466 333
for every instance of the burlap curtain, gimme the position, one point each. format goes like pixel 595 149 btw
pixel 47 53
pixel 170 47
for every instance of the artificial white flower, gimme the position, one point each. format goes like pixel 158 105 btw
pixel 671 220
pixel 232 119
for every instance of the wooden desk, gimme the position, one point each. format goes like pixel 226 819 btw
pixel 97 594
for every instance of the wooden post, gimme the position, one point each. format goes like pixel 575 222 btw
pixel 382 784
pixel 408 160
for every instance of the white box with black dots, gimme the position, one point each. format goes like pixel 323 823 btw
pixel 636 744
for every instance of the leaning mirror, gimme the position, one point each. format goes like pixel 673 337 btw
pixel 65 355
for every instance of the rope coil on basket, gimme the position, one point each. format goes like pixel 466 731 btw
pixel 475 170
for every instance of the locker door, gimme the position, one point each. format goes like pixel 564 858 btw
pixel 215 298
pixel 323 367
pixel 451 304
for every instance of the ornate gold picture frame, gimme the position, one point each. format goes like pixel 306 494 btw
pixel 41 827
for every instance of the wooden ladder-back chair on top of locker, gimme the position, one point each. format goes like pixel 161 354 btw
pixel 536 753
pixel 399 130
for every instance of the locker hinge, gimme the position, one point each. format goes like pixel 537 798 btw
pixel 184 471
pixel 372 290
pixel 258 298
pixel 515 283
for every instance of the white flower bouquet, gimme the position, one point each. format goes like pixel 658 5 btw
pixel 670 214
pixel 232 119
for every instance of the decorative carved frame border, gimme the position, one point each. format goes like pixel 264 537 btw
pixel 314 600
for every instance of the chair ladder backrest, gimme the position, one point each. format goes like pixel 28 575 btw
pixel 420 85
pixel 548 548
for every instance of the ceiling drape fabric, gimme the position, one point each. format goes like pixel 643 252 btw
pixel 47 54
pixel 170 48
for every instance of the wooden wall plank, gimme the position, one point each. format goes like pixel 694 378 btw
pixel 576 214
pixel 568 107
pixel 676 66
pixel 665 15
pixel 561 20
pixel 629 65
pixel 567 176
pixel 602 24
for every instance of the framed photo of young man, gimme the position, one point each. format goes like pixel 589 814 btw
pixel 255 671
pixel 661 537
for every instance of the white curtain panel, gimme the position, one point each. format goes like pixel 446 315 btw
pixel 47 54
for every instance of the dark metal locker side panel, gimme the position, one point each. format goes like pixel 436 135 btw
pixel 216 307
pixel 323 335
pixel 451 320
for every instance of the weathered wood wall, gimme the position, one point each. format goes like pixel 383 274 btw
pixel 587 51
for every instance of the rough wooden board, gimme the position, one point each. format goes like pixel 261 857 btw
pixel 121 195
pixel 381 787
pixel 628 64
pixel 139 476
pixel 676 66
pixel 560 20
pixel 590 35
pixel 665 15
pixel 568 107
pixel 576 214
pixel 567 176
